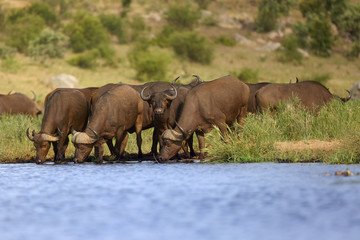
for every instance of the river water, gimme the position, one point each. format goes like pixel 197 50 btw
pixel 178 201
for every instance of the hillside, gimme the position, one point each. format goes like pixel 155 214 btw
pixel 229 19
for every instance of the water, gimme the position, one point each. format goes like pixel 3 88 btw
pixel 178 201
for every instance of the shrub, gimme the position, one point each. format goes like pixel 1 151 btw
pixel 355 50
pixel 310 7
pixel 115 25
pixel 49 44
pixel 247 75
pixel 44 11
pixel 87 60
pixel 86 32
pixel 349 21
pixel 226 41
pixel 203 4
pixel 6 51
pixel 192 46
pixel 182 16
pixel 290 51
pixel 137 26
pixel 23 30
pixel 301 32
pixel 150 65
pixel 321 38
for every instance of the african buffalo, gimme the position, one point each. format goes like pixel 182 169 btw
pixel 253 88
pixel 218 102
pixel 167 104
pixel 18 103
pixel 115 112
pixel 311 94
pixel 64 109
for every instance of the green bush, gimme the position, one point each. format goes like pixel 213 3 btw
pixel 49 44
pixel 290 52
pixel 301 32
pixel 87 60
pixel 44 11
pixel 182 16
pixel 226 41
pixel 349 21
pixel 192 46
pixel 86 32
pixel 150 65
pixel 321 37
pixel 247 75
pixel 137 26
pixel 23 30
pixel 355 50
pixel 115 25
pixel 6 51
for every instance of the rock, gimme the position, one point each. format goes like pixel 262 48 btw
pixel 205 13
pixel 344 173
pixel 228 22
pixel 355 91
pixel 62 81
pixel 304 53
pixel 270 46
pixel 275 35
pixel 243 40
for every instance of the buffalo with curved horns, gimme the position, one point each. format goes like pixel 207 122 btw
pixel 167 105
pixel 218 102
pixel 311 94
pixel 64 109
pixel 115 112
pixel 18 103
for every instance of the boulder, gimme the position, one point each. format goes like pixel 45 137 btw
pixel 62 81
pixel 355 91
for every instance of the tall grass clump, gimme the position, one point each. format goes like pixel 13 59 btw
pixel 256 140
pixel 182 16
pixel 14 142
pixel 289 51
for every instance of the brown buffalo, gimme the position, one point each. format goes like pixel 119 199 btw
pixel 218 103
pixel 18 103
pixel 64 109
pixel 167 105
pixel 115 112
pixel 311 94
pixel 253 89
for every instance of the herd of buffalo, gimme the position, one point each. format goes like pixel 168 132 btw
pixel 96 115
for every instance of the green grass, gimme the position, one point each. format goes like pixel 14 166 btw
pixel 254 142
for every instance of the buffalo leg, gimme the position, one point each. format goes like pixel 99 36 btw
pixel 190 142
pixel 201 139
pixel 110 145
pixel 121 140
pixel 242 115
pixel 62 145
pixel 99 152
pixel 55 144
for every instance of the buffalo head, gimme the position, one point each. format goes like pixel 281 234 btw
pixel 42 142
pixel 160 101
pixel 83 144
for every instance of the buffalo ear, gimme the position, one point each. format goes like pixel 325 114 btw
pixel 172 135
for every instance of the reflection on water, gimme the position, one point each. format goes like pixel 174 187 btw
pixel 178 201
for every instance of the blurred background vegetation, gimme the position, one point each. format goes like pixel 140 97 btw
pixel 137 40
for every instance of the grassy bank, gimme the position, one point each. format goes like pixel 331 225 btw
pixel 287 135
pixel 275 137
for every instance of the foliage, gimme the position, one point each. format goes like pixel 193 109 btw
pixel 23 30
pixel 61 5
pixel 49 44
pixel 349 21
pixel 87 60
pixel 247 75
pixel 203 4
pixel 226 41
pixel 6 51
pixel 192 46
pixel 290 52
pixel 86 32
pixel 10 64
pixel 321 38
pixel 269 11
pixel 301 34
pixel 115 25
pixel 44 11
pixel 182 16
pixel 137 26
pixel 255 140
pixel 150 65
pixel 355 50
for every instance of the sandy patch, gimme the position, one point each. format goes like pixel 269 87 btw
pixel 307 145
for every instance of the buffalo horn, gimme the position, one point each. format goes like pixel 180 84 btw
pixel 347 98
pixel 95 133
pixel 172 97
pixel 31 137
pixel 49 138
pixel 34 98
pixel 297 80
pixel 173 82
pixel 181 129
pixel 142 95
pixel 198 78
pixel 82 138
pixel 172 135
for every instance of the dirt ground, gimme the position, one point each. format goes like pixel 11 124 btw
pixel 307 145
